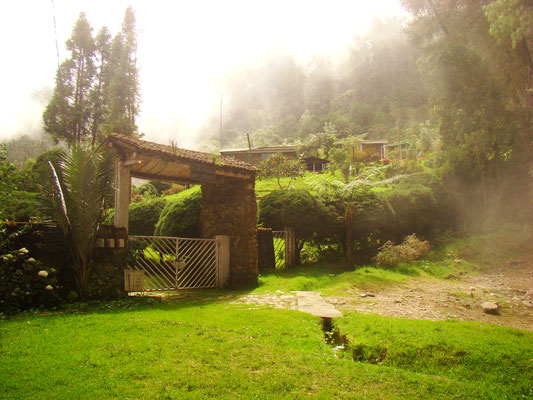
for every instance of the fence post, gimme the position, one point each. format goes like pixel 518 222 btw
pixel 290 247
pixel 223 253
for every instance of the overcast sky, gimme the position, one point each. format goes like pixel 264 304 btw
pixel 183 48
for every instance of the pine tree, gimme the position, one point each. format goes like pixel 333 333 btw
pixel 100 108
pixel 123 94
pixel 67 116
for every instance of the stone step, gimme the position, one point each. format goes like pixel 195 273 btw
pixel 312 303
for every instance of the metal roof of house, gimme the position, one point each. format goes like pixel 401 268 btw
pixel 265 149
pixel 315 160
pixel 377 141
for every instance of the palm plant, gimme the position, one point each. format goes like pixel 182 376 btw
pixel 349 196
pixel 76 200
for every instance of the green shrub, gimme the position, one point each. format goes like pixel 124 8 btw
pixel 25 282
pixel 160 187
pixel 106 281
pixel 411 249
pixel 144 216
pixel 21 206
pixel 312 221
pixel 147 190
pixel 418 203
pixel 181 216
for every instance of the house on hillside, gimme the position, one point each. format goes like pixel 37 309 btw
pixel 315 164
pixel 373 148
pixel 255 155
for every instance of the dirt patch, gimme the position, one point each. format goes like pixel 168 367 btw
pixel 458 297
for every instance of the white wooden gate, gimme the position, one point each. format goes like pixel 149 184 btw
pixel 171 263
pixel 279 249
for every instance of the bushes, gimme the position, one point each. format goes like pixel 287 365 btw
pixel 181 216
pixel 296 208
pixel 311 220
pixel 410 250
pixel 24 282
pixel 144 216
pixel 418 203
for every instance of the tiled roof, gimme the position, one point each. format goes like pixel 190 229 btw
pixel 142 146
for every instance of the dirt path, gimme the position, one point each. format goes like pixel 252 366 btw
pixel 510 284
pixel 460 297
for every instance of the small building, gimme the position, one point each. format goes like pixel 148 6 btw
pixel 373 148
pixel 315 164
pixel 259 154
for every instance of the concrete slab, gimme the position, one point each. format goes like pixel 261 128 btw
pixel 312 303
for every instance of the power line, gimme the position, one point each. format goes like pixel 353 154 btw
pixel 55 31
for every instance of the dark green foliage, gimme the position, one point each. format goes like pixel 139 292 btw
pixel 77 201
pixel 418 203
pixel 297 208
pixel 8 182
pixel 107 276
pixel 24 281
pixel 144 216
pixel 160 187
pixel 21 206
pixel 147 190
pixel 181 217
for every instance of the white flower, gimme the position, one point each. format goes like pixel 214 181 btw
pixel 31 259
pixel 43 273
pixel 9 256
pixel 24 250
pixel 49 287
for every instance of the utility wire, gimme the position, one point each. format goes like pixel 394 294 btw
pixel 55 31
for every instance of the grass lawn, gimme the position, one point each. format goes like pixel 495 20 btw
pixel 207 347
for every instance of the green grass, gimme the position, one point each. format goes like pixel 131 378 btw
pixel 265 186
pixel 206 347
pixel 213 349
pixel 498 358
pixel 328 278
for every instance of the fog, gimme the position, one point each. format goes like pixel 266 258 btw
pixel 185 50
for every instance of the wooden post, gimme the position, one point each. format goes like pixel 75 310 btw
pixel 223 253
pixel 122 195
pixel 290 247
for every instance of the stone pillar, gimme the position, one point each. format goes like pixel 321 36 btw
pixel 290 247
pixel 223 252
pixel 229 208
pixel 265 248
pixel 122 195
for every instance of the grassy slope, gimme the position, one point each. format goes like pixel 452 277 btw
pixel 499 359
pixel 210 349
pixel 213 349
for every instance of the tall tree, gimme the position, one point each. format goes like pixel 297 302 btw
pixel 123 92
pixel 67 116
pixel 100 108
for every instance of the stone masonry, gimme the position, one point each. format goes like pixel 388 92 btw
pixel 229 208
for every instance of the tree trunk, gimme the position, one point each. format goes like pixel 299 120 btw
pixel 348 223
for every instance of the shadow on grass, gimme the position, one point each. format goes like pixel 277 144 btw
pixel 146 301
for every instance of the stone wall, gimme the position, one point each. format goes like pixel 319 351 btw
pixel 229 208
